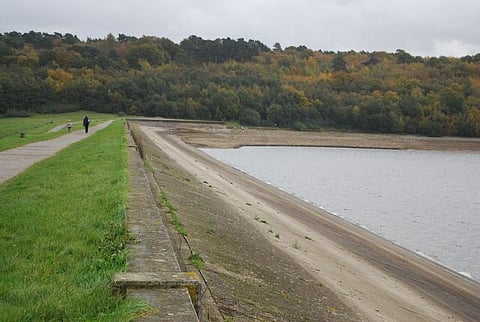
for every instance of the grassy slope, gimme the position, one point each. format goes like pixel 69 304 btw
pixel 36 127
pixel 62 234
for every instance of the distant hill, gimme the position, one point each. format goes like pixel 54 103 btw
pixel 240 80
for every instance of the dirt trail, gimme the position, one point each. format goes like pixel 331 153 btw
pixel 381 281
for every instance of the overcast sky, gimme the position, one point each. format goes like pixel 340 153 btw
pixel 420 27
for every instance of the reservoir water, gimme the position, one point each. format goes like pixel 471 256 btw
pixel 425 201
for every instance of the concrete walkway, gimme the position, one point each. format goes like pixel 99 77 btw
pixel 153 273
pixel 15 161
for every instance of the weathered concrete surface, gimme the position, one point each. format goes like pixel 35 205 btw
pixel 153 280
pixel 151 255
pixel 185 280
pixel 169 304
pixel 15 161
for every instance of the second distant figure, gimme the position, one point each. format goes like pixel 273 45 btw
pixel 86 123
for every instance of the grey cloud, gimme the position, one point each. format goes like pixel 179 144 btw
pixel 422 27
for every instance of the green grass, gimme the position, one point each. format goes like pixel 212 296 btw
pixel 177 223
pixel 62 234
pixel 37 127
pixel 196 260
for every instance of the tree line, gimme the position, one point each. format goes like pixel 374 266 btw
pixel 240 80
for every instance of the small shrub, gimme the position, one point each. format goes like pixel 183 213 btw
pixel 196 260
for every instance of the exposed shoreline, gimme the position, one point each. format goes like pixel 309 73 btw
pixel 213 135
pixel 379 280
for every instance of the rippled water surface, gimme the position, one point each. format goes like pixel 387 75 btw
pixel 428 202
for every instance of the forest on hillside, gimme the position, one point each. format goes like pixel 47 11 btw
pixel 240 80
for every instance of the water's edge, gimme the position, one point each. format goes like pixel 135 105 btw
pixel 368 189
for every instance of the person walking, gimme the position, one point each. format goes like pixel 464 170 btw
pixel 86 123
pixel 69 126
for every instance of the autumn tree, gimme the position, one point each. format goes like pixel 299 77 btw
pixel 241 80
pixel 339 64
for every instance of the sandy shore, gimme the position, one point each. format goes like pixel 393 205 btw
pixel 378 281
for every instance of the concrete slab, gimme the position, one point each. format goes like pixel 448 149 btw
pixel 170 305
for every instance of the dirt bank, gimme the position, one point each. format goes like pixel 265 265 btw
pixel 270 256
pixel 219 136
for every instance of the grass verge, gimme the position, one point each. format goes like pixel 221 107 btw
pixel 38 127
pixel 62 234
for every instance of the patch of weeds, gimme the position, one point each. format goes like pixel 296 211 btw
pixel 332 310
pixel 113 242
pixel 277 235
pixel 180 229
pixel 148 166
pixel 173 213
pixel 232 125
pixel 196 260
pixel 296 245
pixel 132 238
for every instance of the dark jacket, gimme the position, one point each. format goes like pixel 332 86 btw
pixel 86 121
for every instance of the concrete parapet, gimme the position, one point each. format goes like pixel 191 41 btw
pixel 188 280
pixel 154 274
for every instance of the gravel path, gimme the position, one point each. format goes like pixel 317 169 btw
pixel 15 161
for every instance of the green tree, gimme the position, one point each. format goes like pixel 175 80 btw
pixel 277 47
pixel 250 117
pixel 451 101
pixel 403 57
pixel 339 64
pixel 151 53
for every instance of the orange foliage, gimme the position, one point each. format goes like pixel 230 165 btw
pixel 57 78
